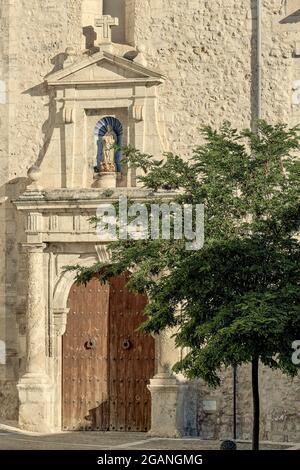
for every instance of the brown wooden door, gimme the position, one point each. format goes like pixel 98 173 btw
pixel 131 360
pixel 107 364
pixel 85 386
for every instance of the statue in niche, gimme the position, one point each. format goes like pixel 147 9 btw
pixel 108 148
pixel 109 141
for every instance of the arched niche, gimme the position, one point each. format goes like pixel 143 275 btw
pixel 102 127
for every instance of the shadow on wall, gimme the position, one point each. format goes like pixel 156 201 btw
pixel 11 360
pixel 293 18
pixel 49 124
pixel 13 328
pixel 90 38
pixel 43 90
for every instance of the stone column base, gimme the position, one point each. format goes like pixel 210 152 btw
pixel 167 415
pixel 107 180
pixel 36 401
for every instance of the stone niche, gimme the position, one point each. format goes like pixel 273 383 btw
pixel 86 91
pixel 120 120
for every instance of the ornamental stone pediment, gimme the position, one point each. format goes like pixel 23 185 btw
pixel 104 68
pixel 95 99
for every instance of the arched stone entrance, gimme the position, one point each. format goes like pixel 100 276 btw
pixel 106 363
pixel 40 389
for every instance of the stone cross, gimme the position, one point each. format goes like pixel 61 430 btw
pixel 103 27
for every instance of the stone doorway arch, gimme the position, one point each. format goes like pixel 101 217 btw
pixel 167 391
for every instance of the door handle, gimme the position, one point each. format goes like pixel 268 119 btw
pixel 90 344
pixel 126 344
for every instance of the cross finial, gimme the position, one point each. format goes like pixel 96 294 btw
pixel 103 27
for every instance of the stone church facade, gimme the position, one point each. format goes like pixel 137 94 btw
pixel 151 72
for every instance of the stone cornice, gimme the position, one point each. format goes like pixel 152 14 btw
pixel 107 83
pixel 68 200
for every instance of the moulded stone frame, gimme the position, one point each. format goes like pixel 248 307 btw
pixel 75 96
pixel 81 246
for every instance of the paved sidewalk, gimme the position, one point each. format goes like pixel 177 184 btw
pixel 17 440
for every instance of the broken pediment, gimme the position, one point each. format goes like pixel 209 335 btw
pixel 103 68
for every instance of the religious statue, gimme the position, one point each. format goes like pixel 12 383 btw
pixel 108 151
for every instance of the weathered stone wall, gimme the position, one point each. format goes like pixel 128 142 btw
pixel 3 157
pixel 35 34
pixel 280 407
pixel 7 391
pixel 207 52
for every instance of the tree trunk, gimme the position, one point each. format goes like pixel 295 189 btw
pixel 256 405
pixel 235 403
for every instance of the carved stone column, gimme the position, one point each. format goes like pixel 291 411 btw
pixel 35 392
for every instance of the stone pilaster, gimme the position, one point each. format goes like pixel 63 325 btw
pixel 167 412
pixel 35 392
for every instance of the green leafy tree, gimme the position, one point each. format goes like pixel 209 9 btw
pixel 239 294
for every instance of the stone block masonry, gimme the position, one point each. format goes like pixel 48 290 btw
pixel 206 50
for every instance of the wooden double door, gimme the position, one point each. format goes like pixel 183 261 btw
pixel 107 363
